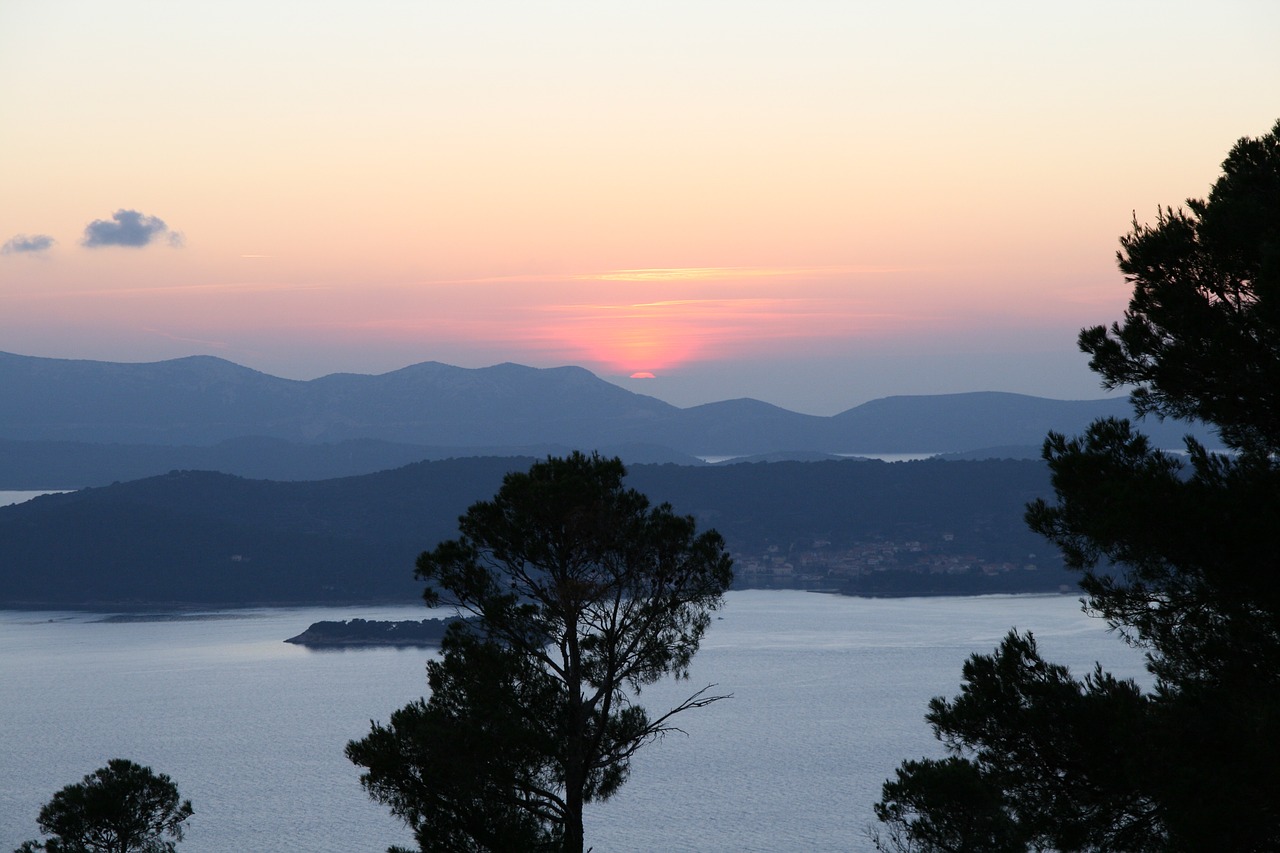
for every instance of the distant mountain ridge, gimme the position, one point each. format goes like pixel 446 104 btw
pixel 47 465
pixel 203 400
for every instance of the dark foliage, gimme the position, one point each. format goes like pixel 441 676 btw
pixel 1201 336
pixel 375 632
pixel 472 768
pixel 1038 761
pixel 581 594
pixel 121 808
pixel 1177 553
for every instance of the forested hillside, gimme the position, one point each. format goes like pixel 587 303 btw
pixel 201 537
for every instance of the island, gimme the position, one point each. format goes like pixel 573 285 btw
pixel 370 632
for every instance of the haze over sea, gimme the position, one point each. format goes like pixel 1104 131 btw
pixel 829 697
pixel 7 498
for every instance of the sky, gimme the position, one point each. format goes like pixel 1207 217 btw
pixel 813 204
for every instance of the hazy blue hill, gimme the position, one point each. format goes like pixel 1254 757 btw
pixel 505 404
pixel 783 456
pixel 197 399
pixel 1008 451
pixel 201 401
pixel 742 426
pixel 961 422
pixel 78 464
pixel 203 537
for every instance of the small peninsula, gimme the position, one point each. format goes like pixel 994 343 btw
pixel 370 633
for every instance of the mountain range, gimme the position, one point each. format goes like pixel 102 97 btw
pixel 201 481
pixel 91 420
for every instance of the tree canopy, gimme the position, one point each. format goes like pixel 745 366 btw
pixel 579 595
pixel 1201 336
pixel 1175 551
pixel 121 808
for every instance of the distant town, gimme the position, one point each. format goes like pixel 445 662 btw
pixel 895 564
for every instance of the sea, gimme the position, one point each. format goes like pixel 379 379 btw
pixel 828 698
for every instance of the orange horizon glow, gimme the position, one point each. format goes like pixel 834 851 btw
pixel 687 192
pixel 620 321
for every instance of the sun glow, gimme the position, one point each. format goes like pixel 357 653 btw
pixel 721 274
pixel 660 335
pixel 681 315
pixel 625 344
pixel 644 321
pixel 681 274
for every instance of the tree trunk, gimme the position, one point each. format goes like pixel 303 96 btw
pixel 575 774
pixel 574 839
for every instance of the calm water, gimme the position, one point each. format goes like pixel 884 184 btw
pixel 829 696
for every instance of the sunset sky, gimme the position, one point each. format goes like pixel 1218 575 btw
pixel 809 203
